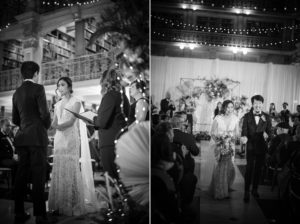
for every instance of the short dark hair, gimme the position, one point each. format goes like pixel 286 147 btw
pixel 3 121
pixel 163 127
pixel 67 80
pixel 285 103
pixel 28 68
pixel 225 105
pixel 257 98
pixel 139 84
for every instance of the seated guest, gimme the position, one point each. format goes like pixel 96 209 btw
pixel 278 146
pixel 8 158
pixel 285 113
pixel 298 112
pixel 164 198
pixel 139 110
pixel 296 123
pixel 189 149
pixel 167 105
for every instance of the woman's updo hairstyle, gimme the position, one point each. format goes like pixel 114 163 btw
pixel 68 81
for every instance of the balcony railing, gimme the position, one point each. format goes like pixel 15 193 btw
pixel 206 38
pixel 78 69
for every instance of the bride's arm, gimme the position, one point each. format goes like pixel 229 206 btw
pixel 54 122
pixel 214 130
pixel 70 122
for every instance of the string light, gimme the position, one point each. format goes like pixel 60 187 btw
pixel 182 25
pixel 58 3
pixel 183 43
pixel 5 27
pixel 253 7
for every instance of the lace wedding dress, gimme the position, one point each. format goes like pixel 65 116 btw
pixel 72 190
pixel 224 172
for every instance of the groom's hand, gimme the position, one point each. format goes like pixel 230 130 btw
pixel 265 136
pixel 244 140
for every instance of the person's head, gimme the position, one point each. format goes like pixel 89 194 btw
pixel 282 128
pixel 110 80
pixel 168 95
pixel 227 107
pixel 285 105
pixel 165 128
pixel 5 125
pixel 298 108
pixel 64 86
pixel 257 103
pixel 219 106
pixel 15 130
pixel 178 121
pixel 272 106
pixel 30 70
pixel 161 151
pixel 155 119
pixel 137 88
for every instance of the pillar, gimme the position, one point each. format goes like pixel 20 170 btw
pixel 80 44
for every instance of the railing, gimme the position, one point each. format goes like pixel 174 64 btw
pixel 78 69
pixel 220 39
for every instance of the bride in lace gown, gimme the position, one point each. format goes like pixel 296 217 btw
pixel 72 189
pixel 224 173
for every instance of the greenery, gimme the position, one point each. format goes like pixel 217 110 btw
pixel 127 27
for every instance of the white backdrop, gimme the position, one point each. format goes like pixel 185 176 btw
pixel 276 83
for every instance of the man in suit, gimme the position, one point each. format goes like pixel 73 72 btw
pixel 255 131
pixel 188 182
pixel 167 105
pixel 8 158
pixel 285 113
pixel 31 114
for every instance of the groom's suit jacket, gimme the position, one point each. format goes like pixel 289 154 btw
pixel 31 114
pixel 254 132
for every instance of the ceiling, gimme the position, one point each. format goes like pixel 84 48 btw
pixel 258 31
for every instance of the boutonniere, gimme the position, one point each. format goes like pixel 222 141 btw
pixel 263 118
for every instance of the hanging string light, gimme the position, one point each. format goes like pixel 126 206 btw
pixel 5 27
pixel 185 42
pixel 194 27
pixel 243 9
pixel 67 3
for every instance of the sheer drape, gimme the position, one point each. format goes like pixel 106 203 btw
pixel 276 83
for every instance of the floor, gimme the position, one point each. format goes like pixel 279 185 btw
pixel 232 210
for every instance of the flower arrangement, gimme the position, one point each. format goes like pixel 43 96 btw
pixel 215 88
pixel 226 143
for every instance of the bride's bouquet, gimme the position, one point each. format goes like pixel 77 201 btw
pixel 226 143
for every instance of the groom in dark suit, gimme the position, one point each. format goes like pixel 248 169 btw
pixel 255 131
pixel 31 114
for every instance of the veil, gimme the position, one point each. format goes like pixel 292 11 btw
pixel 91 203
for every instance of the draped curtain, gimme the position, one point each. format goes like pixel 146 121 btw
pixel 276 83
